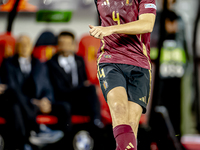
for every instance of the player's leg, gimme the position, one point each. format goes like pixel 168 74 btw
pixel 113 84
pixel 118 105
pixel 134 114
pixel 123 133
pixel 138 94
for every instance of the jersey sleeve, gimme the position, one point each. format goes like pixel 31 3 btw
pixel 147 6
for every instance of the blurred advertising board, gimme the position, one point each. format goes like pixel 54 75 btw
pixel 47 10
pixel 23 6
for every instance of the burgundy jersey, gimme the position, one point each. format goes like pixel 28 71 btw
pixel 122 48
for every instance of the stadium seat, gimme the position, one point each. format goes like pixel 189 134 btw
pixel 44 53
pixel 143 119
pixel 7 46
pixel 2 121
pixel 76 119
pixel 45 46
pixel 51 120
pixel 46 119
pixel 88 47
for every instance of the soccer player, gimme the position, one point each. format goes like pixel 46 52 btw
pixel 124 67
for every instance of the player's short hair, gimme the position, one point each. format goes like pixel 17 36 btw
pixel 67 33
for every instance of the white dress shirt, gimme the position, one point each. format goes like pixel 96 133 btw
pixel 25 65
pixel 70 66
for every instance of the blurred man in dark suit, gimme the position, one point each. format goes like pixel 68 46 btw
pixel 30 93
pixel 69 80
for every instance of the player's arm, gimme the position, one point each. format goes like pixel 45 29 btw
pixel 145 24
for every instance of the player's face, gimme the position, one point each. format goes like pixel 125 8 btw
pixel 24 47
pixel 66 44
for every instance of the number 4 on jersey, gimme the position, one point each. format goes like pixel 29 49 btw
pixel 116 18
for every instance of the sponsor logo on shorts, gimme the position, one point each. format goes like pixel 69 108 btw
pixel 107 56
pixel 130 145
pixel 150 6
pixel 143 99
pixel 105 84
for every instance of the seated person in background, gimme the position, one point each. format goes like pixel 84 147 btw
pixel 68 77
pixel 30 93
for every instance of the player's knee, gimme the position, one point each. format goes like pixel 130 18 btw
pixel 117 101
pixel 119 107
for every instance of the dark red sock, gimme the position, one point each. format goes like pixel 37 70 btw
pixel 124 137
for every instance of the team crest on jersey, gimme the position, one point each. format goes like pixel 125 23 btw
pixel 105 84
pixel 129 2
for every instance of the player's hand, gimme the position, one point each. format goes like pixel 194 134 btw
pixel 99 32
